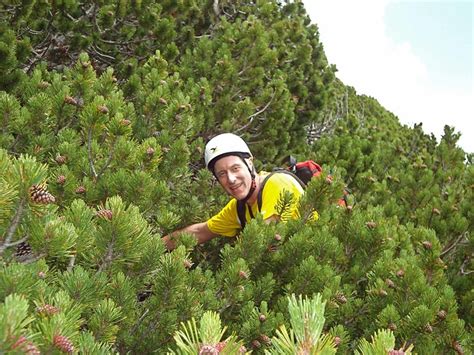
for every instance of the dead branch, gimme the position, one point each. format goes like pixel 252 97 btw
pixel 251 117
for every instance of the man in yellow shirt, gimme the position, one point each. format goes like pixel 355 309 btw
pixel 231 162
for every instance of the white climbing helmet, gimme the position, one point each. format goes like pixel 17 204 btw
pixel 223 145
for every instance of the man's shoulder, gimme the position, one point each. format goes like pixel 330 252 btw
pixel 282 179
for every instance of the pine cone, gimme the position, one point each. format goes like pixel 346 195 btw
pixel 457 347
pixel 256 344
pixel 221 345
pixel 23 250
pixel 103 109
pixel 27 347
pixel 63 343
pixel 337 341
pixel 47 310
pixel 396 352
pixel 401 273
pixel 340 298
pixel 125 122
pixel 392 326
pixel 427 245
pixel 442 314
pixel 150 151
pixel 104 214
pixel 208 350
pixel 61 159
pixel 371 224
pixel 265 339
pixel 243 275
pixel 390 283
pixel 262 318
pixel 70 100
pixel 81 190
pixel 39 194
pixel 43 85
pixel 61 179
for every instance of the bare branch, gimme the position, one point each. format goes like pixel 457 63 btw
pixel 33 258
pixel 140 320
pixel 215 7
pixel 89 153
pixel 112 149
pixel 456 242
pixel 462 271
pixel 72 261
pixel 251 117
pixel 13 225
pixel 19 241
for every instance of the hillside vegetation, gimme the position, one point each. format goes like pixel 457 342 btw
pixel 105 108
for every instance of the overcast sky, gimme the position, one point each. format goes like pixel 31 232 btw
pixel 414 56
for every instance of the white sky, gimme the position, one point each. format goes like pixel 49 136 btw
pixel 355 39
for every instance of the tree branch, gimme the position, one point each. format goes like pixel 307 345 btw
pixel 89 153
pixel 72 261
pixel 109 257
pixel 215 7
pixel 468 259
pixel 456 242
pixel 13 225
pixel 251 117
pixel 112 150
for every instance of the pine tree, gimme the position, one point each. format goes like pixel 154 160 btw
pixel 104 112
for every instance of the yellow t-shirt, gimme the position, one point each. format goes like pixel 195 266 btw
pixel 227 223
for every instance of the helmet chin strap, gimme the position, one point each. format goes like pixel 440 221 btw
pixel 253 186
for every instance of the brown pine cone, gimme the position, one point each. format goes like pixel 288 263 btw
pixel 103 109
pixel 47 310
pixel 208 350
pixel 63 343
pixel 427 245
pixel 70 100
pixel 104 214
pixel 23 250
pixel 150 151
pixel 340 298
pixel 243 275
pixel 81 190
pixel 442 314
pixel 25 346
pixel 61 159
pixel 39 194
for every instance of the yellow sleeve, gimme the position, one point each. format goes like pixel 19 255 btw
pixel 226 222
pixel 274 188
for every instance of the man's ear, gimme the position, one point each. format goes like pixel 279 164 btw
pixel 250 163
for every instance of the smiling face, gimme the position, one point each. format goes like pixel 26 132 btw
pixel 234 176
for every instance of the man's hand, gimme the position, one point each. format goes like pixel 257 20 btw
pixel 200 231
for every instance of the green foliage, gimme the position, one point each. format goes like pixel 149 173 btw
pixel 307 320
pixel 382 343
pixel 207 337
pixel 105 108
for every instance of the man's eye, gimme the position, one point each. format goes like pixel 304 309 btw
pixel 220 175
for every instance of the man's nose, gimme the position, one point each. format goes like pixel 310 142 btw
pixel 232 178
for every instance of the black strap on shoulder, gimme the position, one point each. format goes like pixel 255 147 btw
pixel 242 205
